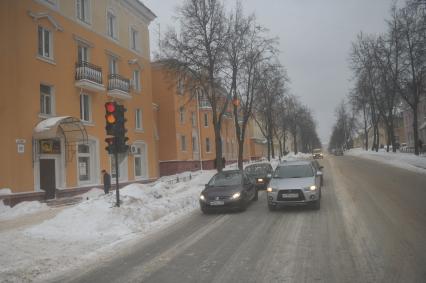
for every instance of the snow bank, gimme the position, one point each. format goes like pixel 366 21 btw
pixel 23 208
pixel 5 191
pixel 406 161
pixel 299 155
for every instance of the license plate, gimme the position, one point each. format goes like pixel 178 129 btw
pixel 217 202
pixel 290 195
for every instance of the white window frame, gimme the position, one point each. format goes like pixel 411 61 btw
pixel 83 105
pixel 136 80
pixel 180 87
pixel 143 155
pixel 134 39
pixel 122 167
pixel 112 65
pixel 114 32
pixel 93 165
pixel 139 119
pixel 85 53
pixel 183 146
pixel 208 145
pixel 88 16
pixel 182 114
pixel 52 101
pixel 206 120
pixel 50 38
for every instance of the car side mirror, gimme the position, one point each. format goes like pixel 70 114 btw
pixel 269 175
pixel 319 173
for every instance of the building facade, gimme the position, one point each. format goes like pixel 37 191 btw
pixel 421 122
pixel 61 61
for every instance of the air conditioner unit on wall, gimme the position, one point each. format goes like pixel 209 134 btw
pixel 133 149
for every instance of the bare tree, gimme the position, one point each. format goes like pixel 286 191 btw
pixel 198 50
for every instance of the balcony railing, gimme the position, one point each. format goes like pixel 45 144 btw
pixel 86 71
pixel 117 82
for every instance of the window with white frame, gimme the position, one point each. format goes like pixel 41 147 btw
pixel 141 165
pixel 45 45
pixel 180 86
pixel 206 120
pixel 193 119
pixel 138 119
pixel 182 114
pixel 82 53
pixel 85 107
pixel 113 69
pixel 83 10
pixel 136 80
pixel 86 163
pixel 134 39
pixel 207 144
pixel 122 167
pixel 194 144
pixel 183 142
pixel 46 100
pixel 112 24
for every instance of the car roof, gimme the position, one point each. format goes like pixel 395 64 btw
pixel 295 162
pixel 259 164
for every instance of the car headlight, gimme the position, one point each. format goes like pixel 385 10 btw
pixel 236 195
pixel 202 197
pixel 270 189
pixel 311 188
pixel 260 180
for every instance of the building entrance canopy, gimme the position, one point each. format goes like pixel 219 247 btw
pixel 67 127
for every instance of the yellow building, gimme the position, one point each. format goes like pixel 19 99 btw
pixel 61 61
pixel 185 126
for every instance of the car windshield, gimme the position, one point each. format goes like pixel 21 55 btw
pixel 317 150
pixel 226 179
pixel 260 169
pixel 293 171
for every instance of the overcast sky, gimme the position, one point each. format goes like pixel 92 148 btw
pixel 315 39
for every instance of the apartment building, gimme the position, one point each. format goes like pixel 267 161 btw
pixel 185 126
pixel 61 61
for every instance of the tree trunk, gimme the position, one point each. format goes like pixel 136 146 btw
pixel 240 153
pixel 295 142
pixel 218 145
pixel 365 129
pixel 415 130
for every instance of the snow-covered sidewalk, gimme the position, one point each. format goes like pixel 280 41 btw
pixel 407 161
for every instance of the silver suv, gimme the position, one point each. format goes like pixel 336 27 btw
pixel 295 183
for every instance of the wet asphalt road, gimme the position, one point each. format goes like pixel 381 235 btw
pixel 371 228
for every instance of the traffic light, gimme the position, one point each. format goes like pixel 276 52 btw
pixel 110 148
pixel 111 117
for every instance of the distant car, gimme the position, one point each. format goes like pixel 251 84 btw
pixel 261 173
pixel 338 152
pixel 228 190
pixel 294 183
pixel 317 153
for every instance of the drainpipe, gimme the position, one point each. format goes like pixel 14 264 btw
pixel 200 150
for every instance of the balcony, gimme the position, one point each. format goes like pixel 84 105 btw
pixel 118 86
pixel 205 104
pixel 88 77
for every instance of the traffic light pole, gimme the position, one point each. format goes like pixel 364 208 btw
pixel 117 185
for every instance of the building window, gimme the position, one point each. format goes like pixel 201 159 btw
pixel 180 87
pixel 84 172
pixel 134 39
pixel 46 100
pixel 138 119
pixel 45 43
pixel 207 144
pixel 112 25
pixel 136 80
pixel 140 161
pixel 85 107
pixel 83 53
pixel 113 69
pixel 122 167
pixel 83 10
pixel 182 115
pixel 206 120
pixel 193 119
pixel 194 144
pixel 183 142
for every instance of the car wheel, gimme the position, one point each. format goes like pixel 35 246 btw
pixel 256 196
pixel 316 205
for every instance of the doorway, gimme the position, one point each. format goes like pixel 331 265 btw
pixel 47 177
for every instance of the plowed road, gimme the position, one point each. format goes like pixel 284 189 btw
pixel 371 228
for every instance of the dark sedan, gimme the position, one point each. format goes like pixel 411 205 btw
pixel 261 173
pixel 228 190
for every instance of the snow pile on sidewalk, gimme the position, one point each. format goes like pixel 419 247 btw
pixel 23 208
pixel 85 232
pixel 407 161
pixel 299 155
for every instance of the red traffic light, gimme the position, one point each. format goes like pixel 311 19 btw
pixel 110 107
